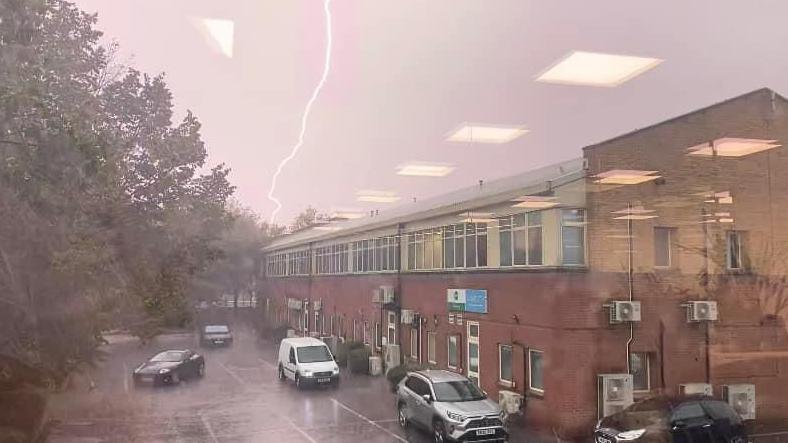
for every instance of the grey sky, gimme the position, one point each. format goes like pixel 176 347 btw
pixel 406 72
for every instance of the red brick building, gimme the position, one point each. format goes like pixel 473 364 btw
pixel 673 216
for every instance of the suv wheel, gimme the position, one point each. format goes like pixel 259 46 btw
pixel 201 370
pixel 438 431
pixel 402 416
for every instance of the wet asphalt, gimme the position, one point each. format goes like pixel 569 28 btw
pixel 240 399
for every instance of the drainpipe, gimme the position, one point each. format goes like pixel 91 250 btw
pixel 398 288
pixel 705 283
pixel 630 280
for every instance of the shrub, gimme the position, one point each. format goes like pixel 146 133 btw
pixel 358 360
pixel 344 349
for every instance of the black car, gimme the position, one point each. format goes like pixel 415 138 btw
pixel 216 335
pixel 682 419
pixel 170 367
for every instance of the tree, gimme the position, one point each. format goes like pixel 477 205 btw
pixel 304 220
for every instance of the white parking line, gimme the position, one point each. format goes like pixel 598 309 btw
pixel 209 428
pixel 270 365
pixel 232 374
pixel 299 430
pixel 357 414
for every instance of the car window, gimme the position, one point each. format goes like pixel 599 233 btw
pixel 168 356
pixel 650 404
pixel 313 354
pixel 721 411
pixel 688 411
pixel 463 390
pixel 291 357
pixel 216 329
pixel 418 386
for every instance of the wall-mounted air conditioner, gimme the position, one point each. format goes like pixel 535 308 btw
pixel 741 397
pixel 511 402
pixel 702 310
pixel 696 388
pixel 624 311
pixel 614 393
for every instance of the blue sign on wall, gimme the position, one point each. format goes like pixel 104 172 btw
pixel 476 301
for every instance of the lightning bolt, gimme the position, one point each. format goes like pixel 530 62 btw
pixel 305 116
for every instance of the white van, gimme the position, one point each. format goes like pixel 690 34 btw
pixel 307 361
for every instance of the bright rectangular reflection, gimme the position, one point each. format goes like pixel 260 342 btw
pixel 635 217
pixel 597 69
pixel 219 33
pixel 485 134
pixel 625 177
pixel 422 169
pixel 535 202
pixel 478 217
pixel 371 196
pixel 732 147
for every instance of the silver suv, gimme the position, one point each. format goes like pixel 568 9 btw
pixel 450 406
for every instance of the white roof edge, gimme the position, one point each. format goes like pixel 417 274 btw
pixel 531 182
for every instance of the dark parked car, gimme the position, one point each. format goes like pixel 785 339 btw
pixel 682 419
pixel 170 367
pixel 216 335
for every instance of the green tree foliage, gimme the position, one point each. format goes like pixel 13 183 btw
pixel 107 208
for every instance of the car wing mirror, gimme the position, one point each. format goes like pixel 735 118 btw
pixel 427 398
pixel 679 424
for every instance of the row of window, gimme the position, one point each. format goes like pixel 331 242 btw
pixel 454 246
pixel 665 247
pixel 379 254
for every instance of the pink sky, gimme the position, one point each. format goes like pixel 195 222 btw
pixel 406 72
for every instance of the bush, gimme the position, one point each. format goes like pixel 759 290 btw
pixel 279 333
pixel 397 373
pixel 358 360
pixel 344 349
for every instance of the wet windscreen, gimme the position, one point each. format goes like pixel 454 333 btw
pixel 169 356
pixel 313 354
pixel 216 329
pixel 451 391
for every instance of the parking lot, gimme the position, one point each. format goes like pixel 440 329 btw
pixel 239 400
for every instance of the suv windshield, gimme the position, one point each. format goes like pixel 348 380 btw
pixel 457 391
pixel 312 354
pixel 170 356
pixel 216 329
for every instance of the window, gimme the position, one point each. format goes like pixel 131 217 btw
pixel 392 328
pixel 639 363
pixel 521 239
pixel 733 250
pixel 662 247
pixel 688 412
pixel 535 370
pixel 378 336
pixel 453 351
pixel 366 332
pixel 414 343
pixel 505 363
pixel 534 230
pixel 418 386
pixel 431 348
pixel 573 236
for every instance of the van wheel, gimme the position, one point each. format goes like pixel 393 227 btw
pixel 299 384
pixel 402 416
pixel 281 374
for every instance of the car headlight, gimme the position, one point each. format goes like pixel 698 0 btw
pixel 630 435
pixel 455 416
pixel 307 373
pixel 336 370
pixel 164 371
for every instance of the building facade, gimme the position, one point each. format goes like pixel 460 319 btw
pixel 527 283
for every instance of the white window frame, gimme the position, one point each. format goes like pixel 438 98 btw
pixel 432 356
pixel 500 364
pixel 414 343
pixel 530 378
pixel 728 264
pixel 648 370
pixel 366 332
pixel 456 348
pixel 391 328
pixel 471 340
pixel 378 336
pixel 583 225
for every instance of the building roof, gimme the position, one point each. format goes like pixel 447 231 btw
pixel 466 199
pixel 766 92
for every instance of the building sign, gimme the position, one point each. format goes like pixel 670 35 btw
pixel 294 303
pixel 467 300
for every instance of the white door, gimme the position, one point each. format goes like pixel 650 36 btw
pixel 473 352
pixel 392 328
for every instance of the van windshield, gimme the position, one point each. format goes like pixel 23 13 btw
pixel 312 354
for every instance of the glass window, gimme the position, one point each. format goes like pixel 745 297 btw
pixel 573 236
pixel 448 247
pixel 459 246
pixel 639 367
pixel 453 351
pixel 419 251
pixel 470 245
pixel 481 244
pixel 688 411
pixel 662 241
pixel 428 250
pixel 519 239
pixel 535 238
pixel 535 370
pixel 313 354
pixel 414 342
pixel 505 363
pixel 437 249
pixel 378 336
pixel 431 347
pixel 505 226
pixel 733 255
pixel 457 391
pixel 721 411
pixel 411 251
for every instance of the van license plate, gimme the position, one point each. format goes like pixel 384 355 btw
pixel 323 380
pixel 218 342
pixel 485 432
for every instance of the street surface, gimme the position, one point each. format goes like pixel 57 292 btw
pixel 239 400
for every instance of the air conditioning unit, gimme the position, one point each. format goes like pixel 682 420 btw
pixel 701 311
pixel 391 356
pixel 511 402
pixel 696 388
pixel 614 393
pixel 624 311
pixel 741 397
pixel 387 294
pixel 406 316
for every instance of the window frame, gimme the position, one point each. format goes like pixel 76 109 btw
pixel 670 234
pixel 502 380
pixel 531 386
pixel 647 356
pixel 728 259
pixel 414 343
pixel 432 350
pixel 574 224
pixel 457 345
